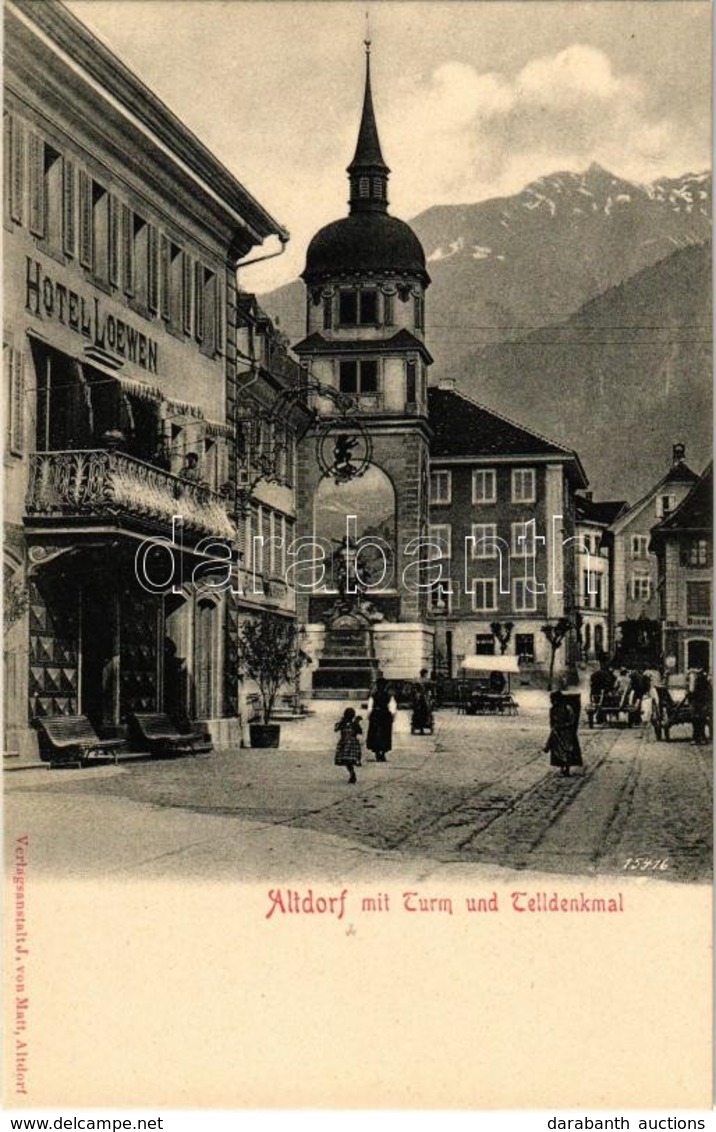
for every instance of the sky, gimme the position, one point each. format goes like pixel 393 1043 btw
pixel 473 99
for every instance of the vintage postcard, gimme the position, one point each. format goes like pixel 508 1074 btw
pixel 357 554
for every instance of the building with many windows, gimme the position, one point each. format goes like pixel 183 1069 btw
pixel 270 417
pixel 634 573
pixel 122 236
pixel 682 544
pixel 502 520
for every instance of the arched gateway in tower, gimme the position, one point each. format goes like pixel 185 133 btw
pixel 366 279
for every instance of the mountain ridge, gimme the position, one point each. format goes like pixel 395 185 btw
pixel 510 269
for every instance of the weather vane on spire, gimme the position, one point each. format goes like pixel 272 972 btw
pixel 367 40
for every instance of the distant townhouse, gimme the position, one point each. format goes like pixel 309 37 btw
pixel 502 510
pixel 122 236
pixel 271 414
pixel 683 547
pixel 634 574
pixel 593 565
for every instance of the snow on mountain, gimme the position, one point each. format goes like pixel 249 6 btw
pixel 503 267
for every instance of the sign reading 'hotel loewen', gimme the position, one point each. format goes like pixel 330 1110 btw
pixel 47 298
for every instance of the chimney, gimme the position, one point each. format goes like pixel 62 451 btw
pixel 678 454
pixel 446 383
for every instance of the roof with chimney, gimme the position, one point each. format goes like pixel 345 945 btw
pixel 464 428
pixel 600 512
pixel 678 473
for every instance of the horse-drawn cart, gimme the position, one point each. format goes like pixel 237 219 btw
pixel 614 701
pixel 668 712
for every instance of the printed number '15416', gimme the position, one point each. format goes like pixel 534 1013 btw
pixel 646 864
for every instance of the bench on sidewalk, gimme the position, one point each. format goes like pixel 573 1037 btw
pixel 71 739
pixel 157 733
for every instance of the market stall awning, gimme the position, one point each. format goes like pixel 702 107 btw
pixel 491 664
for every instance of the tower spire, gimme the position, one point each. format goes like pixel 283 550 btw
pixel 368 172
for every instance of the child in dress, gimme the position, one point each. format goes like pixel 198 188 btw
pixel 348 750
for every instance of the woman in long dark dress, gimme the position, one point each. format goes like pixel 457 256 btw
pixel 563 743
pixel 381 709
pixel 422 717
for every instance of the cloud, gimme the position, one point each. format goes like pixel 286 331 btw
pixel 460 135
pixel 579 72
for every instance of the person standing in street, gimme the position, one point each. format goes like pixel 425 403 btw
pixel 422 717
pixel 381 712
pixel 563 743
pixel 700 694
pixel 348 749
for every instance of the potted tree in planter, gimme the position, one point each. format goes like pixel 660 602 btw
pixel 270 653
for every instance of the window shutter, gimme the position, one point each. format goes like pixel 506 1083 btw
pixel 7 361
pixel 187 275
pixel 113 240
pixel 85 200
pixel 152 269
pixel 37 185
pixel 16 429
pixel 198 302
pixel 164 276
pixel 218 315
pixel 69 227
pixel 127 249
pixel 16 142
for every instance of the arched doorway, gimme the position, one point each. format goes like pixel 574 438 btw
pixel 177 657
pixel 207 658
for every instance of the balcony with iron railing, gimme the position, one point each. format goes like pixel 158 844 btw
pixel 103 486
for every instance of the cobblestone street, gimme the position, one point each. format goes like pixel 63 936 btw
pixel 478 792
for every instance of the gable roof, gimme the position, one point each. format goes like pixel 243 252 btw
pixel 695 512
pixel 463 427
pixel 679 472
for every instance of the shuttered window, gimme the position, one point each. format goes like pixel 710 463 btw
pixel 127 238
pixel 187 274
pixel 218 315
pixel 164 276
pixel 85 207
pixel 199 302
pixel 15 404
pixel 16 147
pixel 37 187
pixel 152 269
pixel 69 223
pixel 114 215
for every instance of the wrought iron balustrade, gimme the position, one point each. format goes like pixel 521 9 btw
pixel 107 484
